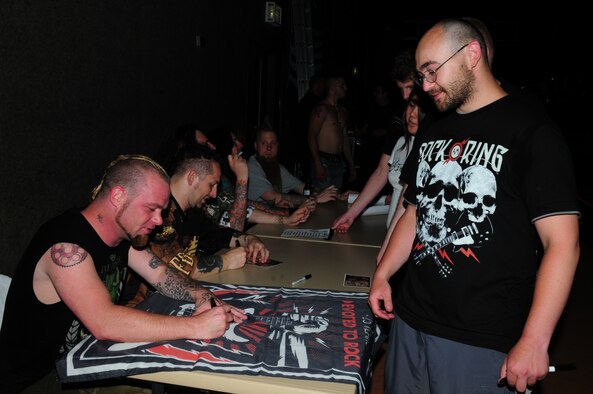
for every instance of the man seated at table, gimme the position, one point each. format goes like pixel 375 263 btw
pixel 188 240
pixel 271 182
pixel 71 274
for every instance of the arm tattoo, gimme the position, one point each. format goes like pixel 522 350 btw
pixel 238 210
pixel 179 286
pixel 67 255
pixel 154 262
pixel 269 209
pixel 175 285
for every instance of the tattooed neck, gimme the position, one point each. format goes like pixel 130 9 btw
pixel 100 218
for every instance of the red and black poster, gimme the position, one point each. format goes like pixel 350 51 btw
pixel 291 333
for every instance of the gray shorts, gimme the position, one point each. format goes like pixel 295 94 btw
pixel 420 363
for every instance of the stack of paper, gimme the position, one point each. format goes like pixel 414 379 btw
pixel 379 208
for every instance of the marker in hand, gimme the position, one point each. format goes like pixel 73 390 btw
pixel 561 367
pixel 551 368
pixel 301 279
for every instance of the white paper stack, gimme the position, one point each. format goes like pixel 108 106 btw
pixel 379 208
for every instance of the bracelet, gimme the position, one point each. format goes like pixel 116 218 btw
pixel 280 219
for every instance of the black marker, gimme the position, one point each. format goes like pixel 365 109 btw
pixel 302 279
pixel 551 368
pixel 561 367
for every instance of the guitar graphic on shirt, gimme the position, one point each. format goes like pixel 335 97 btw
pixel 478 231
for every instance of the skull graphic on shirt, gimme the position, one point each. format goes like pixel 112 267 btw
pixel 438 206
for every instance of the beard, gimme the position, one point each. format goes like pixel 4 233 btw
pixel 271 168
pixel 138 241
pixel 458 93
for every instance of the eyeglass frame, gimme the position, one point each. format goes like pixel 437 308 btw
pixel 421 76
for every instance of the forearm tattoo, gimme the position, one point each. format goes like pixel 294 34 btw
pixel 238 210
pixel 175 284
pixel 67 255
pixel 178 286
pixel 268 208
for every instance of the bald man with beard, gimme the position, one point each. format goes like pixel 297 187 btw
pixel 479 301
pixel 271 182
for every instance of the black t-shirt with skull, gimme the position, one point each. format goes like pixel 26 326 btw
pixel 479 181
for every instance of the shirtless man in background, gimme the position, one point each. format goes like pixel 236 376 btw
pixel 328 138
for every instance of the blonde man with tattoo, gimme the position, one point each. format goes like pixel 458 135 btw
pixel 69 279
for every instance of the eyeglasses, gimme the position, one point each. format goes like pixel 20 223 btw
pixel 431 75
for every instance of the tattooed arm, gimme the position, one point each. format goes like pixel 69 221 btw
pixel 238 210
pixel 268 208
pixel 166 279
pixel 172 283
pixel 66 273
pixel 255 248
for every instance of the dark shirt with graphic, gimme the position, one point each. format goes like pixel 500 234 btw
pixel 34 334
pixel 479 181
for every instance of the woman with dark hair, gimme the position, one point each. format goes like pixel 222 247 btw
pixel 389 167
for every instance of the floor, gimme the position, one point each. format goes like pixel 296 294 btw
pixel 573 340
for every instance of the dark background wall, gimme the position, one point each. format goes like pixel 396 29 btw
pixel 81 82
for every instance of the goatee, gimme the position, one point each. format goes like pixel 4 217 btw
pixel 139 241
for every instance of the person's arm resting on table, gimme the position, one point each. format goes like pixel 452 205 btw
pixel 376 182
pixel 255 248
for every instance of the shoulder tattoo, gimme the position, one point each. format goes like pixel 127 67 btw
pixel 67 255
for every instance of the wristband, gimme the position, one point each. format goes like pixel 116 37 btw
pixel 218 261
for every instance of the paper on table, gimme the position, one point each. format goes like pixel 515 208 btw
pixel 379 208
pixel 323 233
pixel 376 210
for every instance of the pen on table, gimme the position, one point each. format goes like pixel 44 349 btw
pixel 301 279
